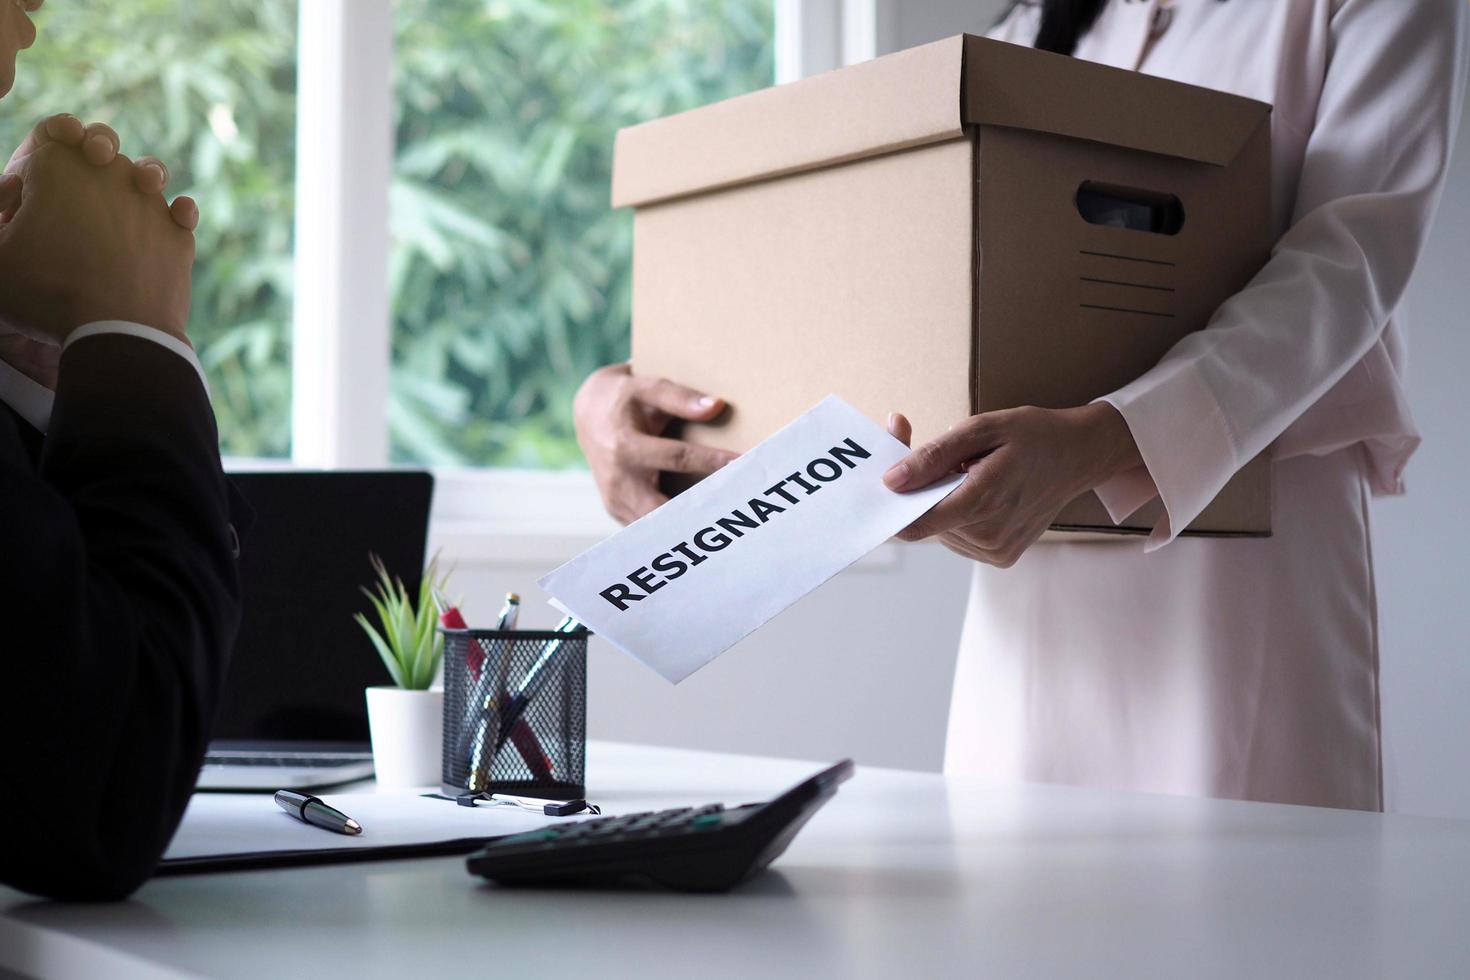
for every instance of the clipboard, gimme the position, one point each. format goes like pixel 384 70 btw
pixel 261 860
pixel 223 832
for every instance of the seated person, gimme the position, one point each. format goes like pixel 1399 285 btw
pixel 118 586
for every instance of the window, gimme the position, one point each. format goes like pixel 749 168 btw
pixel 508 272
pixel 210 89
pixel 484 127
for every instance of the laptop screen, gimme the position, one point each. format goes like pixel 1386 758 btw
pixel 301 664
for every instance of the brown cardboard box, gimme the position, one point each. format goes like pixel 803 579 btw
pixel 908 234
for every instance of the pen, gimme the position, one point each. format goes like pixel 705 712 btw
pixel 313 811
pixel 535 680
pixel 482 709
pixel 510 613
pixel 513 726
pixel 483 752
pixel 521 734
pixel 451 619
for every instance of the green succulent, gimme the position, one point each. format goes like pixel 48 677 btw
pixel 409 641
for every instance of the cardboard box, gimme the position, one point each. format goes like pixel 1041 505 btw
pixel 957 228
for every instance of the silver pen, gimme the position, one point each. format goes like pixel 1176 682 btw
pixel 510 613
pixel 309 809
pixel 480 697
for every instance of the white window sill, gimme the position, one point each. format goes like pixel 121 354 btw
pixel 531 518
pixel 515 517
pixel 521 518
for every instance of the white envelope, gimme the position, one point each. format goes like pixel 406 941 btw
pixel 677 588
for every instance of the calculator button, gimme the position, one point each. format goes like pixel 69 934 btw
pixel 705 821
pixel 530 837
pixel 604 830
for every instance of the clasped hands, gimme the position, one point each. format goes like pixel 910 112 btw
pixel 86 235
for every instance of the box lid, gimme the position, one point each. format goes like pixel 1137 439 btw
pixel 922 95
pixel 1015 86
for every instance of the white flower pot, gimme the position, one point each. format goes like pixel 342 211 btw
pixel 408 736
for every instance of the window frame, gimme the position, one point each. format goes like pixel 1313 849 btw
pixel 342 322
pixel 340 339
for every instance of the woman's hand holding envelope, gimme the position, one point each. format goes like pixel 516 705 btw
pixel 1022 465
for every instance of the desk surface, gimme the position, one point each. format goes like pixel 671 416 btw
pixel 902 874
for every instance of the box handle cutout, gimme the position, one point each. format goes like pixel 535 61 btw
pixel 1129 207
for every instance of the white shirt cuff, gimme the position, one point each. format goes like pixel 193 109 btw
pixel 1187 445
pixel 126 329
pixel 1125 493
pixel 29 400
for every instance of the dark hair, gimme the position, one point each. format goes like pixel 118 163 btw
pixel 1063 22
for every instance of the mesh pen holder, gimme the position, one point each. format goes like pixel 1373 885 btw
pixel 515 712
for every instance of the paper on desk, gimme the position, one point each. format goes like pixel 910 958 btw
pixel 218 824
pixel 683 584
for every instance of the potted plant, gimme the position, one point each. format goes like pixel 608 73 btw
pixel 406 718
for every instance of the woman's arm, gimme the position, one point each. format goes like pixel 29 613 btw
pixel 1371 179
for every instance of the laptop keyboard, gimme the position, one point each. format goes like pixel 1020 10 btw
pixel 294 761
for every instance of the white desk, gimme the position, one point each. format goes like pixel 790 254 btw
pixel 901 875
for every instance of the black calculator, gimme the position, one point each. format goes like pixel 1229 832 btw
pixel 697 849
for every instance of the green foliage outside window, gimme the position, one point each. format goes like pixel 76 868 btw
pixel 210 89
pixel 510 275
pixel 509 272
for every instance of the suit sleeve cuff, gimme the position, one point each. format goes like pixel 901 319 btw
pixel 168 341
pixel 1188 449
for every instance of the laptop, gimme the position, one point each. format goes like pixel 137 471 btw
pixel 293 712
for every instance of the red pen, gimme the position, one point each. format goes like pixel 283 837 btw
pixel 450 619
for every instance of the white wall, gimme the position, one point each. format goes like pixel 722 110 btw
pixel 863 666
pixel 860 668
pixel 1422 540
pixel 912 22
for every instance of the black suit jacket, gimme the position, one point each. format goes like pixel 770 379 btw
pixel 119 601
